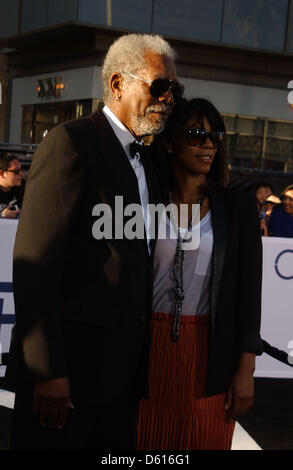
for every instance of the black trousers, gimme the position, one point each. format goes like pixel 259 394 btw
pixel 104 427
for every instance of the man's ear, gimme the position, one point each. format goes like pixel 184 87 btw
pixel 115 84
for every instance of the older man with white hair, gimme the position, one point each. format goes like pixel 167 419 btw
pixel 83 304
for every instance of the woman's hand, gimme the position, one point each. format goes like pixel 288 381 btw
pixel 240 394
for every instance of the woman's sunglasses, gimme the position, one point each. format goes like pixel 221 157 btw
pixel 197 137
pixel 160 86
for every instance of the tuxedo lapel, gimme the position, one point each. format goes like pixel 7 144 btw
pixel 112 152
pixel 219 231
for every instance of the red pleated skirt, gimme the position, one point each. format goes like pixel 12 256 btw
pixel 177 415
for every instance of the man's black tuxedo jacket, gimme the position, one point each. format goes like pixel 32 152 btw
pixel 82 305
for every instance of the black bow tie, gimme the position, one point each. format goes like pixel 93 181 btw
pixel 135 148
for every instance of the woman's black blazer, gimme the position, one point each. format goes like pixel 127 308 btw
pixel 236 285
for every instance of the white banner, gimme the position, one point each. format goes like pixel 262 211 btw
pixel 8 229
pixel 277 299
pixel 277 305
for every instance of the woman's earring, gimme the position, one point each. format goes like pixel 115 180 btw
pixel 118 97
pixel 170 152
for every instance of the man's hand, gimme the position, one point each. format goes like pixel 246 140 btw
pixel 9 214
pixel 52 402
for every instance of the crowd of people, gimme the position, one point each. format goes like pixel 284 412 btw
pixel 127 343
pixel 275 212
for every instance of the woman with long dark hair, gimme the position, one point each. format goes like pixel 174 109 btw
pixel 207 300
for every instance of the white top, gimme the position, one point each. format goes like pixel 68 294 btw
pixel 126 138
pixel 196 272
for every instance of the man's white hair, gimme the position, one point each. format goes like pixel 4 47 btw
pixel 127 54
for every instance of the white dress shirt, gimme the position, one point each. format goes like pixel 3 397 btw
pixel 126 138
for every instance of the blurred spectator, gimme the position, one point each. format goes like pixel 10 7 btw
pixel 281 219
pixel 266 208
pixel 11 186
pixel 270 203
pixel 263 189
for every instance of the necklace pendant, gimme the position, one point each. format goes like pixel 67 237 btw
pixel 175 337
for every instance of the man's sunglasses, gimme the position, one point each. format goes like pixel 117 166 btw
pixel 160 86
pixel 16 172
pixel 197 137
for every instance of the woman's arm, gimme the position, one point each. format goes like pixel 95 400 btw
pixel 248 308
pixel 248 295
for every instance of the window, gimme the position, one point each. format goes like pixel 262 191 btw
pixel 38 119
pixel 260 24
pixel 253 142
pixel 132 14
pixel 196 19
pixel 279 146
pixel 8 18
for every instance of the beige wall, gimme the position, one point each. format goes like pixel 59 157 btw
pixel 4 83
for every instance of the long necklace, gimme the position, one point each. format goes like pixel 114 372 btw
pixel 178 269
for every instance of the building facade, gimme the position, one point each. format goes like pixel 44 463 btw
pixel 3 94
pixel 237 53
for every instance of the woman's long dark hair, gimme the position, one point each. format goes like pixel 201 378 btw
pixel 218 175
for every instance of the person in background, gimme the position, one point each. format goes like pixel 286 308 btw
pixel 206 300
pixel 263 189
pixel 281 219
pixel 11 186
pixel 267 207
